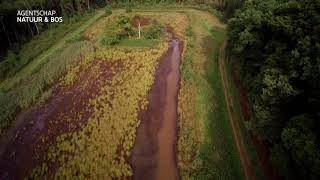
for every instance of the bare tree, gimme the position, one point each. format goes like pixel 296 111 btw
pixel 137 20
pixel 88 4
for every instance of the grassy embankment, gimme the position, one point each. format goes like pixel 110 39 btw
pixel 39 44
pixel 44 67
pixel 206 146
pixel 235 94
pixel 208 154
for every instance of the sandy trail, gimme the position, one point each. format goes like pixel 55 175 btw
pixel 243 154
pixel 154 153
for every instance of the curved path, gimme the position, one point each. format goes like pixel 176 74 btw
pixel 243 154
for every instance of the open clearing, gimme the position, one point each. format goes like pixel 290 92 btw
pixel 148 108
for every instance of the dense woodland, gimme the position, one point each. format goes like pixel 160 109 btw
pixel 276 45
pixel 273 43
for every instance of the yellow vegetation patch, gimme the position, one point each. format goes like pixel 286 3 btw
pixel 100 149
pixel 190 131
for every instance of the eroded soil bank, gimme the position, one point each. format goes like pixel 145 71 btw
pixel 154 153
pixel 262 151
pixel 67 110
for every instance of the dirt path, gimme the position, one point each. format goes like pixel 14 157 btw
pixel 154 153
pixel 243 154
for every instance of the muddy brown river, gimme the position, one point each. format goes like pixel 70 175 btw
pixel 154 153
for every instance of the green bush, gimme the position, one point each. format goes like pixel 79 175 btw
pixel 123 20
pixel 110 40
pixel 154 31
pixel 187 71
pixel 189 31
pixel 125 29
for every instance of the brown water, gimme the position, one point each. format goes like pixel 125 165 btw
pixel 154 153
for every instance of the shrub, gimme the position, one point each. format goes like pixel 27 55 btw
pixel 110 40
pixel 126 29
pixel 189 31
pixel 154 31
pixel 123 20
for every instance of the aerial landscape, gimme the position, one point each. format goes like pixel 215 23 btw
pixel 160 89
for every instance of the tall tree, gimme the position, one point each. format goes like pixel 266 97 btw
pixel 276 44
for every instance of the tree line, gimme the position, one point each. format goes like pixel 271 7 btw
pixel 276 46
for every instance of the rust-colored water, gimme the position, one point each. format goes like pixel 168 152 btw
pixel 154 152
pixel 166 166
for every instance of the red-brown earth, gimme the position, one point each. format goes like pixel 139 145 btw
pixel 26 144
pixel 154 154
pixel 263 154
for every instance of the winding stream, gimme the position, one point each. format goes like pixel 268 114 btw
pixel 154 153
